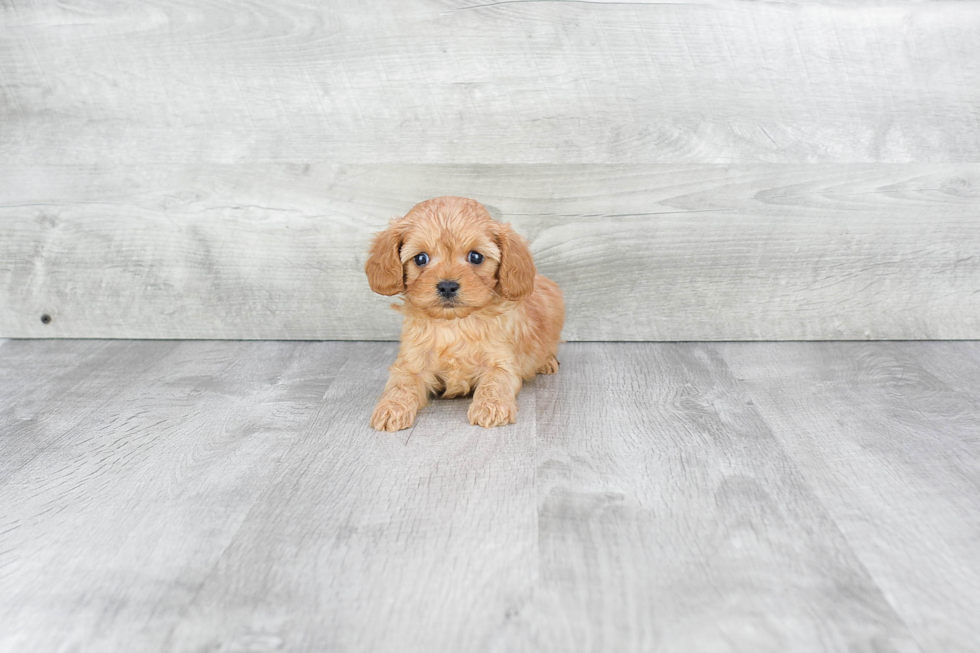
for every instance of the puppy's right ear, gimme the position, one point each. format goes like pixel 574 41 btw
pixel 384 267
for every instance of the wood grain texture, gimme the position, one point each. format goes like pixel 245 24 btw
pixel 739 170
pixel 422 540
pixel 234 498
pixel 893 452
pixel 109 530
pixel 450 81
pixel 956 366
pixel 671 519
pixel 37 411
pixel 757 497
pixel 642 253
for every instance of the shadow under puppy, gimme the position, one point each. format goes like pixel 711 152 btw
pixel 478 317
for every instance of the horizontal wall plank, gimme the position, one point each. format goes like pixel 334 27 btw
pixel 692 170
pixel 444 81
pixel 643 252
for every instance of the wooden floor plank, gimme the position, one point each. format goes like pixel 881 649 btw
pixel 957 364
pixel 671 519
pixel 48 386
pixel 106 535
pixel 422 540
pixel 50 361
pixel 894 454
pixel 229 496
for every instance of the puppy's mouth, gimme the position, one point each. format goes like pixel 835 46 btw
pixel 447 308
pixel 448 301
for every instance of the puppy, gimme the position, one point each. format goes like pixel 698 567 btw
pixel 478 317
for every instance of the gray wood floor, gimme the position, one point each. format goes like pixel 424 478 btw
pixel 229 496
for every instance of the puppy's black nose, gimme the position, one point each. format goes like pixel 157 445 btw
pixel 447 289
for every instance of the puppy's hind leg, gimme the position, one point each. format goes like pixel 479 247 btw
pixel 550 367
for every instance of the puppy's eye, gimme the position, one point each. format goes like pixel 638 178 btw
pixel 421 259
pixel 475 258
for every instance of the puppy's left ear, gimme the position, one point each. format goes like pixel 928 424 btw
pixel 384 268
pixel 516 273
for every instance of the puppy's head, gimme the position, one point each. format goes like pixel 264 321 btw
pixel 450 258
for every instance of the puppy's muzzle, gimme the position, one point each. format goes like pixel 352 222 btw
pixel 447 289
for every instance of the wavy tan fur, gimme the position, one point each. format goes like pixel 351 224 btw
pixel 504 328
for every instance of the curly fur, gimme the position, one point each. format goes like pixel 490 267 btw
pixel 501 328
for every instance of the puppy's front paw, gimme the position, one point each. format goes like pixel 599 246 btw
pixel 390 416
pixel 488 413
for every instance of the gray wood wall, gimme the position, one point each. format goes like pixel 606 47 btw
pixel 691 170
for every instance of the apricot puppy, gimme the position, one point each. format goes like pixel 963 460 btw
pixel 478 317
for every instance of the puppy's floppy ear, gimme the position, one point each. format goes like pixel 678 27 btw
pixel 384 267
pixel 516 273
